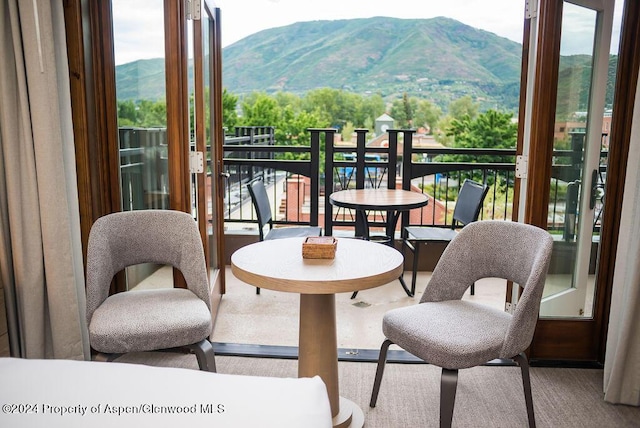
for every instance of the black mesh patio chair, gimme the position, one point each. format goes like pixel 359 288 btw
pixel 466 211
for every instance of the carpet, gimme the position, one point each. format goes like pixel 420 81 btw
pixel 487 396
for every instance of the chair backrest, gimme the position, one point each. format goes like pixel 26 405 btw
pixel 261 204
pixel 469 202
pixel 124 239
pixel 497 249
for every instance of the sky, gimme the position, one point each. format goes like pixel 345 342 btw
pixel 138 23
pixel 503 17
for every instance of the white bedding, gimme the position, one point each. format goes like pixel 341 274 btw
pixel 63 393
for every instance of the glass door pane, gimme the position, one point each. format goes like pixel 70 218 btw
pixel 141 94
pixel 576 178
pixel 209 137
pixel 142 108
pixel 208 125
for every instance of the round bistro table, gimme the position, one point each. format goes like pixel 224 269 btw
pixel 393 201
pixel 358 265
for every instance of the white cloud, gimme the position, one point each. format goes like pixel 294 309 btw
pixel 138 29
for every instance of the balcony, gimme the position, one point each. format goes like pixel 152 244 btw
pixel 297 178
pixel 298 182
pixel 300 178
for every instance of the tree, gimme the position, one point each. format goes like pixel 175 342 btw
pixel 152 114
pixel 347 131
pixel 142 113
pixel 427 115
pixel 440 133
pixel 229 110
pixel 334 105
pixel 368 110
pixel 287 99
pixel 408 110
pixel 491 129
pixel 463 106
pixel 291 125
pixel 259 109
pixel 126 113
pixel 402 111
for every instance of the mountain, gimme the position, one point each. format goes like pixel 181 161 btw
pixel 143 79
pixel 437 58
pixel 440 59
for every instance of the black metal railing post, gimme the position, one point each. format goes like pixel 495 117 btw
pixel 361 142
pixel 329 138
pixel 315 181
pixel 407 145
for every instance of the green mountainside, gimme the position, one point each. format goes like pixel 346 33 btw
pixel 143 79
pixel 438 59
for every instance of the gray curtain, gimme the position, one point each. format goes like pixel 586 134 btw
pixel 40 248
pixel 622 360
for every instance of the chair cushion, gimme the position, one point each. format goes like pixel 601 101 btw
pixel 149 320
pixel 452 334
pixel 293 232
pixel 420 233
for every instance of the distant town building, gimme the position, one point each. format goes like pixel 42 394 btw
pixel 383 124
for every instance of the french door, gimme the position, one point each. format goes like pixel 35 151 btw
pixel 566 135
pixel 170 122
pixel 209 137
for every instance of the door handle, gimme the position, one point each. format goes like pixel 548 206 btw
pixel 594 189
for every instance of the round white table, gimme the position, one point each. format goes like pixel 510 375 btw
pixel 358 265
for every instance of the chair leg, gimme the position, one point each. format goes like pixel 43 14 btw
pixel 414 273
pixel 402 251
pixel 521 359
pixel 473 289
pixel 205 355
pixel 106 358
pixel 404 287
pixel 448 385
pixel 355 293
pixel 382 359
pixel 257 290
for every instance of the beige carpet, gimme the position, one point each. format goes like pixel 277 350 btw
pixel 486 397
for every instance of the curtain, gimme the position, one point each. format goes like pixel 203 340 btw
pixel 40 248
pixel 622 360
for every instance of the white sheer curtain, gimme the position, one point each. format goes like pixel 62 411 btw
pixel 622 360
pixel 40 248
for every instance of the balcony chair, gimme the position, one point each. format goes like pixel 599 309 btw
pixel 262 206
pixel 466 211
pixel 148 320
pixel 453 334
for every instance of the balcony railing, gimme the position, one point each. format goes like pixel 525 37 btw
pixel 297 178
pixel 290 173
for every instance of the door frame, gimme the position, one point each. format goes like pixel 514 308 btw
pixel 575 339
pixel 216 267
pixel 89 36
pixel 90 49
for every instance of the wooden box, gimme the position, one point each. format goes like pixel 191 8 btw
pixel 319 247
